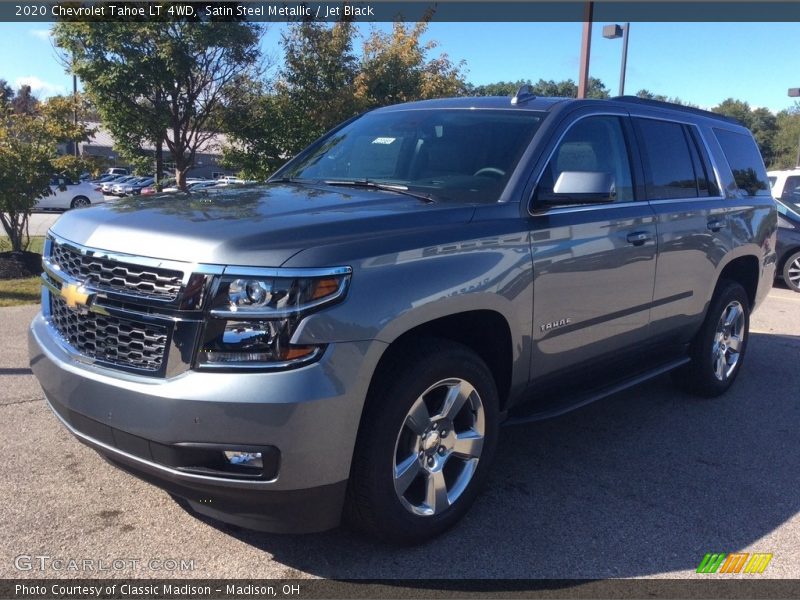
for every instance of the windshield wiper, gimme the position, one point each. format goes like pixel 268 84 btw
pixel 386 187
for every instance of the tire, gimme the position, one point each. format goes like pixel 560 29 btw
pixel 417 468
pixel 80 202
pixel 791 272
pixel 719 348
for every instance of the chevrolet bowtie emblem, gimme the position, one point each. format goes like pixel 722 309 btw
pixel 74 295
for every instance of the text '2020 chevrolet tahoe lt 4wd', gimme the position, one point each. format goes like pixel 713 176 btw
pixel 346 339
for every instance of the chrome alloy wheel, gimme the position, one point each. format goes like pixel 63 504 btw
pixel 728 341
pixel 438 447
pixel 794 273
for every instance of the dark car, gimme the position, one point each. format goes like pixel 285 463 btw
pixel 788 246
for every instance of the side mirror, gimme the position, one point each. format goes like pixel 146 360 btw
pixel 580 187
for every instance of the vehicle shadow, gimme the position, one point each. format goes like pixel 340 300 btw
pixel 642 483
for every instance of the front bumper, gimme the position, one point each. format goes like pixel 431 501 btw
pixel 310 415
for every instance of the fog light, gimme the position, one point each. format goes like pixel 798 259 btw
pixel 244 459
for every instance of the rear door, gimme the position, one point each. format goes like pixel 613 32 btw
pixel 692 217
pixel 594 264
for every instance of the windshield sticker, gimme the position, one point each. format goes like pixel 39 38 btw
pixel 383 140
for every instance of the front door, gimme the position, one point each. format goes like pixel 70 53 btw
pixel 594 264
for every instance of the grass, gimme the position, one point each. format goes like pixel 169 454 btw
pixel 36 245
pixel 14 292
pixel 20 291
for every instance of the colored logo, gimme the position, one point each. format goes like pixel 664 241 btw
pixel 74 295
pixel 736 562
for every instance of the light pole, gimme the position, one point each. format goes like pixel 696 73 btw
pixel 795 93
pixel 586 47
pixel 612 32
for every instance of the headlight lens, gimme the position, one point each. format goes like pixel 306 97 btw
pixel 253 318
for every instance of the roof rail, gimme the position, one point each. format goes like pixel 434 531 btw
pixel 673 106
pixel 523 94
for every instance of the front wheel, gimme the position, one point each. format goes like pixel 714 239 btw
pixel 718 350
pixel 426 440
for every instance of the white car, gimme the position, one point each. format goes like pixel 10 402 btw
pixel 107 186
pixel 786 185
pixel 66 194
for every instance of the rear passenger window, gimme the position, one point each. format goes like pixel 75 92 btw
pixel 671 160
pixel 745 162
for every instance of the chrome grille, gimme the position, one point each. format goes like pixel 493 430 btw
pixel 110 339
pixel 111 275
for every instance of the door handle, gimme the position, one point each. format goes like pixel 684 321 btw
pixel 637 238
pixel 716 224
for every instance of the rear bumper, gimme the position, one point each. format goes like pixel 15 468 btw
pixel 310 417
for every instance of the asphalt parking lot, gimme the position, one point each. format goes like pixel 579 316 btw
pixel 642 484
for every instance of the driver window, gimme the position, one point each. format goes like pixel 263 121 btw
pixel 592 145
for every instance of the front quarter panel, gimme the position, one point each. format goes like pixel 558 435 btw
pixel 410 280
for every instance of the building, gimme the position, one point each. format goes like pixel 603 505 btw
pixel 206 162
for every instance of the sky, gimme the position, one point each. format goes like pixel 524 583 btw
pixel 703 63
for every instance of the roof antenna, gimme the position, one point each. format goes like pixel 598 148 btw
pixel 523 94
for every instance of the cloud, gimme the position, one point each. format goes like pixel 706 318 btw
pixel 42 34
pixel 40 87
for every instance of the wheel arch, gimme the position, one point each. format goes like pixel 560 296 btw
pixel 484 331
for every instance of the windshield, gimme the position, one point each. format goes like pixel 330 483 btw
pixel 464 155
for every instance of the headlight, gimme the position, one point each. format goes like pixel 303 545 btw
pixel 255 313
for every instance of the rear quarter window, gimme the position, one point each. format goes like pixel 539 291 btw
pixel 745 162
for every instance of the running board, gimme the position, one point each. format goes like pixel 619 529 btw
pixel 583 399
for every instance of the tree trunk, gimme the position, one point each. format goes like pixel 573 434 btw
pixel 180 177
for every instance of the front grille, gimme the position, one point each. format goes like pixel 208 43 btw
pixel 111 275
pixel 113 340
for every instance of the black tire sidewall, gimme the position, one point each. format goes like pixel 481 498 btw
pixel 380 512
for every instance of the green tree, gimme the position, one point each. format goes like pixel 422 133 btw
pixel 314 88
pixel 28 144
pixel 396 68
pixel 6 94
pixel 566 88
pixel 160 82
pixel 255 127
pixel 787 138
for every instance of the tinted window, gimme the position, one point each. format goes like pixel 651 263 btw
pixel 668 157
pixel 791 189
pixel 592 145
pixel 745 162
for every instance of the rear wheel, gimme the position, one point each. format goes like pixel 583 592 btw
pixel 426 440
pixel 79 202
pixel 719 348
pixel 791 272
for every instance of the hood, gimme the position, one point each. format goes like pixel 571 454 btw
pixel 263 225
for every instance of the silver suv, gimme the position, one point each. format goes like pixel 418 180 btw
pixel 348 338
